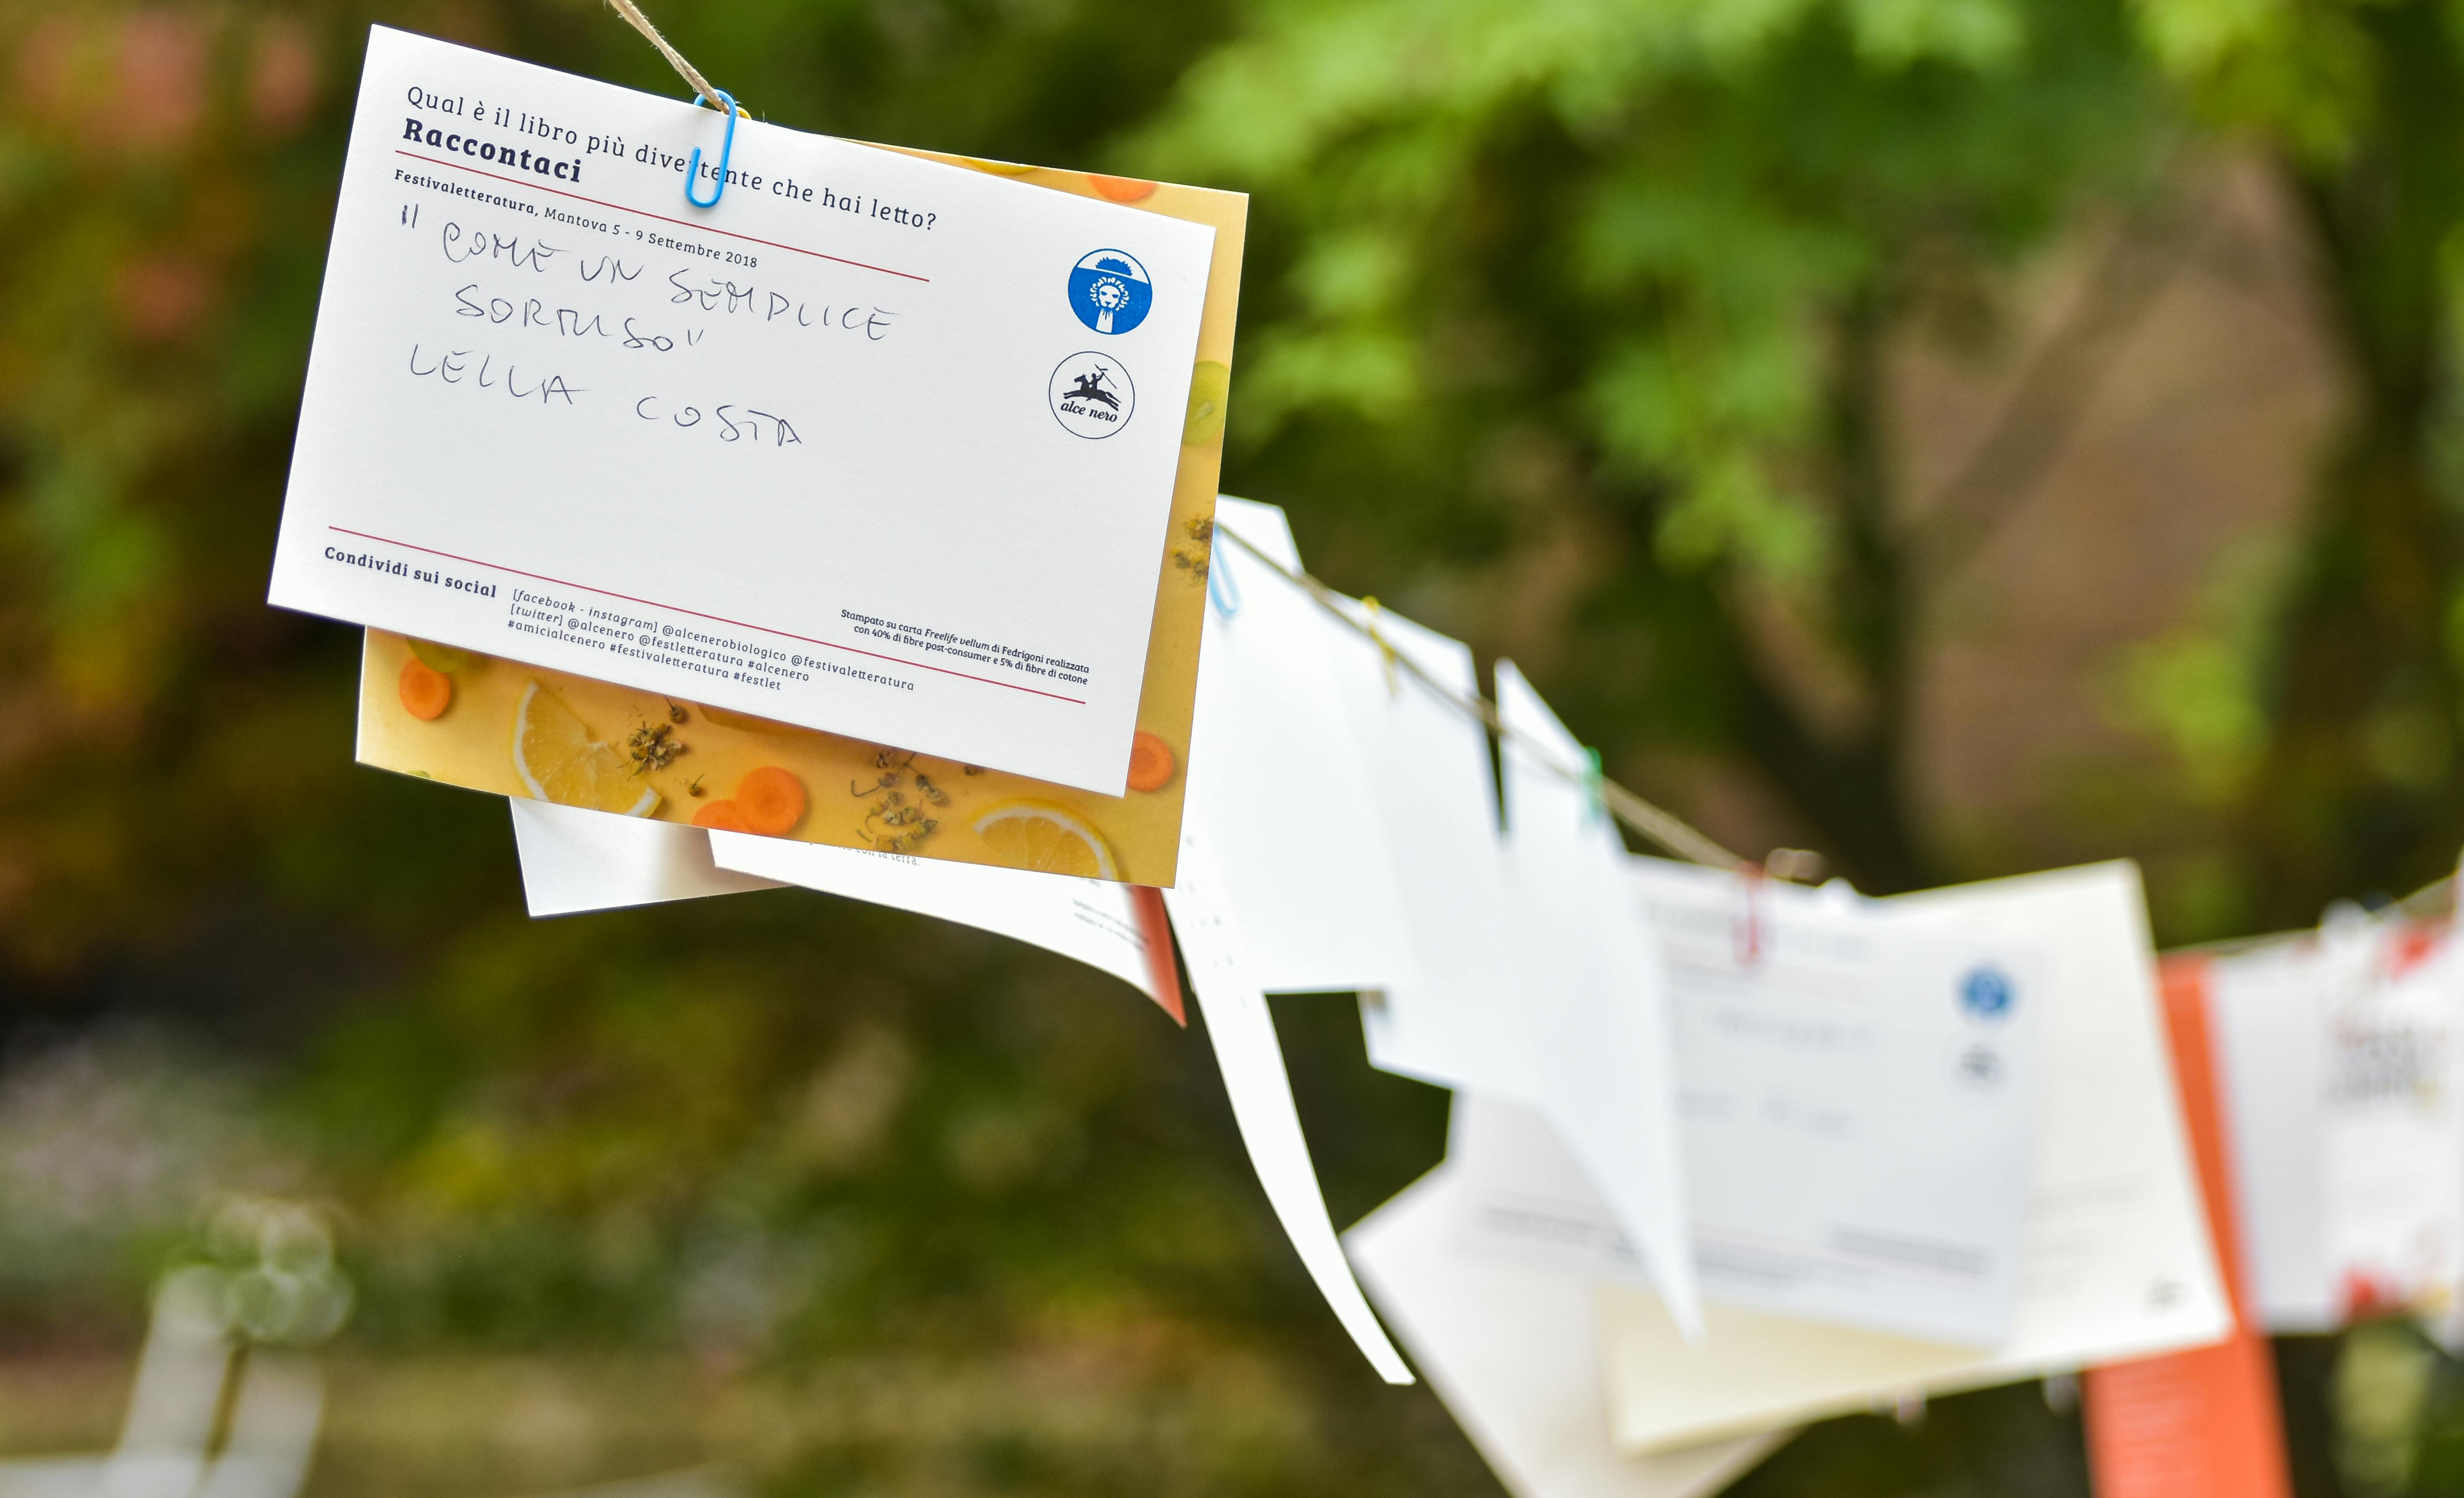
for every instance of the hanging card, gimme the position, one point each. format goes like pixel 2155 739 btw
pixel 1513 1352
pixel 488 716
pixel 575 861
pixel 1456 1019
pixel 878 444
pixel 1594 994
pixel 2205 1423
pixel 1090 921
pixel 1276 777
pixel 1242 1029
pixel 2116 1261
pixel 1858 1086
pixel 2343 1054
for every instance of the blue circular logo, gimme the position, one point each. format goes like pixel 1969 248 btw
pixel 1986 993
pixel 1109 291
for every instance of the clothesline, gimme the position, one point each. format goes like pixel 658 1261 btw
pixel 632 14
pixel 1662 828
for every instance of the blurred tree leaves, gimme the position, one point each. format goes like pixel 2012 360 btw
pixel 1565 331
pixel 1613 278
pixel 2362 106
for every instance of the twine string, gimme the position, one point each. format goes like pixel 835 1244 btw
pixel 1662 828
pixel 1385 651
pixel 685 69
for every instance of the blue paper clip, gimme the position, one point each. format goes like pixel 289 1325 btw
pixel 726 149
pixel 1220 585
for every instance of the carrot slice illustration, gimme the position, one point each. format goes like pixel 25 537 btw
pixel 426 691
pixel 1151 762
pixel 771 800
pixel 721 816
pixel 1120 189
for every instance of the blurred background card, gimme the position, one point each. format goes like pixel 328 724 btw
pixel 1593 993
pixel 1515 1353
pixel 2338 1060
pixel 2116 1260
pixel 1858 1136
pixel 1857 1087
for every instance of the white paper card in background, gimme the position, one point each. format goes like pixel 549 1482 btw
pixel 1514 1353
pixel 1593 993
pixel 575 860
pixel 1432 797
pixel 2116 1263
pixel 553 412
pixel 1243 1032
pixel 2394 1137
pixel 2267 1022
pixel 1090 920
pixel 2338 1056
pixel 1858 1087
pixel 1277 783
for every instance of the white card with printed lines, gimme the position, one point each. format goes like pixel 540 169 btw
pixel 875 444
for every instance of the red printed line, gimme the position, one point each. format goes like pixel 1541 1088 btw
pixel 680 223
pixel 653 602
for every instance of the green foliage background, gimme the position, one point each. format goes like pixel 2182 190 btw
pixel 1618 272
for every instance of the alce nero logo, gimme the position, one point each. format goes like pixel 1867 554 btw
pixel 1092 395
pixel 1109 291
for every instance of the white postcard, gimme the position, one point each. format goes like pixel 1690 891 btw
pixel 1276 777
pixel 574 860
pixel 2116 1261
pixel 2340 1056
pixel 876 445
pixel 1456 1019
pixel 1242 1029
pixel 1092 921
pixel 1514 1353
pixel 1857 1087
pixel 1594 994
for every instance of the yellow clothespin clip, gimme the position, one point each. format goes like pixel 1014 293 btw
pixel 1377 612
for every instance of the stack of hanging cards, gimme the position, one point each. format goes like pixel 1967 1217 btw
pixel 1926 1144
pixel 846 524
pixel 870 508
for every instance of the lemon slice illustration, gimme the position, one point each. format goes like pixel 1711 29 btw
pixel 1049 839
pixel 559 761
pixel 447 659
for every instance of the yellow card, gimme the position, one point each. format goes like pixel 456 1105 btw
pixel 501 726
